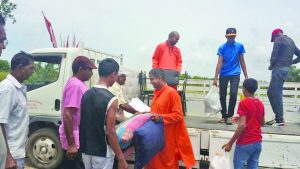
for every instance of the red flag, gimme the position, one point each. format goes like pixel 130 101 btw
pixel 50 31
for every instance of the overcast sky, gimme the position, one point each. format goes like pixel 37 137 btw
pixel 135 27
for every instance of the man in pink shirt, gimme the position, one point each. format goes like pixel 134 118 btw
pixel 69 129
pixel 167 56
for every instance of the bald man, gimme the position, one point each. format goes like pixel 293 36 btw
pixel 167 56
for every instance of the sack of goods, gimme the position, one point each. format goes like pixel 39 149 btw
pixel 212 101
pixel 126 129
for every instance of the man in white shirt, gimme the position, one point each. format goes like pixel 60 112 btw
pixel 14 119
pixel 117 90
pixel 3 43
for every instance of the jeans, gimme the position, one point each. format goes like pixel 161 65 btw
pixel 279 75
pixel 234 86
pixel 247 154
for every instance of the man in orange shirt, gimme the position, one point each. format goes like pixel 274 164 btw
pixel 167 56
pixel 166 106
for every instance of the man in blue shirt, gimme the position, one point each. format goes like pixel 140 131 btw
pixel 230 62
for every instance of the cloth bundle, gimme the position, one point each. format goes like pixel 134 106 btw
pixel 126 129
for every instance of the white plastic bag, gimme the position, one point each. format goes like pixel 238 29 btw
pixel 212 101
pixel 220 161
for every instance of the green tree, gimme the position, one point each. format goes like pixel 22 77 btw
pixel 6 9
pixel 44 73
pixel 294 75
pixel 4 66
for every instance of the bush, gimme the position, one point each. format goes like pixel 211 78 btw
pixel 4 66
pixel 3 75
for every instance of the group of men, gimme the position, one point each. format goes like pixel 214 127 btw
pixel 230 64
pixel 94 143
pixel 87 133
pixel 250 119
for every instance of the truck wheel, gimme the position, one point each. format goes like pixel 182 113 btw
pixel 43 149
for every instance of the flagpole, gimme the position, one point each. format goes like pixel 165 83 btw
pixel 61 45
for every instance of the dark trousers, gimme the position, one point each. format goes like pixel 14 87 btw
pixel 75 163
pixel 279 75
pixel 234 86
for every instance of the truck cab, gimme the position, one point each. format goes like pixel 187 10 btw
pixel 53 67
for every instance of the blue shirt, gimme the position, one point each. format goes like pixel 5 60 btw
pixel 231 58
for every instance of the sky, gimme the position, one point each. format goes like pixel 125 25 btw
pixel 135 27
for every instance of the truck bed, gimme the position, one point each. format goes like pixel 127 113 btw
pixel 209 123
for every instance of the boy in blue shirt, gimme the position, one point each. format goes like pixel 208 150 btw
pixel 230 62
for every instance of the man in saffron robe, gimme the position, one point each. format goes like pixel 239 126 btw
pixel 167 56
pixel 167 107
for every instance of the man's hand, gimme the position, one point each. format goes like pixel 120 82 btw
pixel 155 117
pixel 122 164
pixel 10 162
pixel 215 83
pixel 72 151
pixel 234 119
pixel 227 147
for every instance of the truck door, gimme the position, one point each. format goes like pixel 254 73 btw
pixel 46 84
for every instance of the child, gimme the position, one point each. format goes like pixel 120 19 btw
pixel 248 133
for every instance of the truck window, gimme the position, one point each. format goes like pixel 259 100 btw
pixel 46 71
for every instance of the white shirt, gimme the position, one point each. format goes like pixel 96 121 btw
pixel 117 90
pixel 13 115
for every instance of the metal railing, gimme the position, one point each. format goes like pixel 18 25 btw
pixel 197 89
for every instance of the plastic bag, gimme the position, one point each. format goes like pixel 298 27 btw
pixel 220 161
pixel 212 101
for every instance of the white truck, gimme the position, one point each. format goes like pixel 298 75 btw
pixel 45 87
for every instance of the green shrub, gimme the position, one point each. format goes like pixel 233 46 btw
pixel 4 66
pixel 3 75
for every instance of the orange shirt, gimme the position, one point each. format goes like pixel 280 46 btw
pixel 166 102
pixel 167 57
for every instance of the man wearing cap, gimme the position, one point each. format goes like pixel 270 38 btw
pixel 230 62
pixel 70 116
pixel 281 59
pixel 167 56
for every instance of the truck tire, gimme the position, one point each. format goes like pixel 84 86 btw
pixel 43 149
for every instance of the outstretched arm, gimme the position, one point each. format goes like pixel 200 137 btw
pixel 240 129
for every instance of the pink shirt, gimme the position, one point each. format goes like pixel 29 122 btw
pixel 72 94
